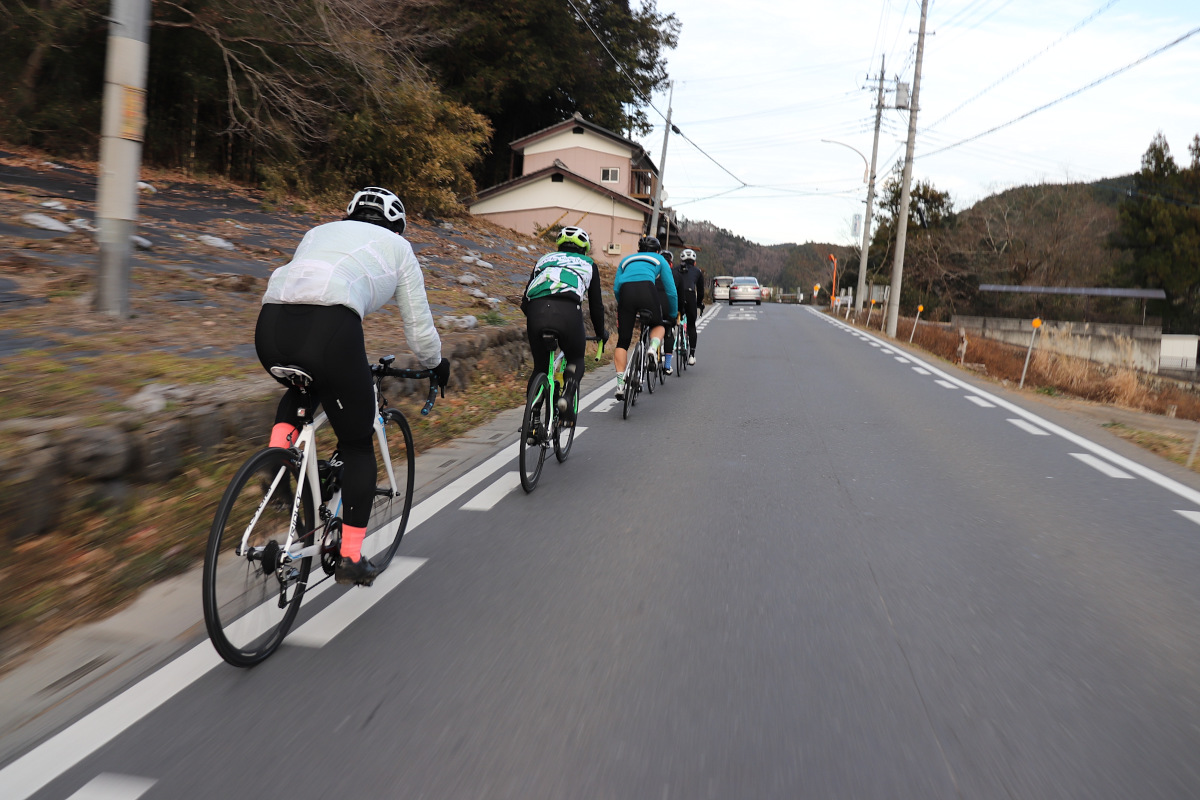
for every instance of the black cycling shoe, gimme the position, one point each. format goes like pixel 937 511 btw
pixel 359 573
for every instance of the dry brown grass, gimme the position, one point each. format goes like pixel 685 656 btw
pixel 1052 373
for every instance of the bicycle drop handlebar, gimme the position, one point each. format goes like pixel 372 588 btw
pixel 383 370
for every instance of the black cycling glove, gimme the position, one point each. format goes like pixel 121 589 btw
pixel 442 371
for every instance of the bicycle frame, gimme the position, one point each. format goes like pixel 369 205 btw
pixel 305 447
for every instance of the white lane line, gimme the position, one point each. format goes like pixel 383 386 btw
pixel 485 500
pixel 337 616
pixel 887 350
pixel 598 393
pixel 979 401
pixel 1194 516
pixel 1157 478
pixel 1101 466
pixel 947 384
pixel 902 360
pixel 875 344
pixel 920 371
pixel 604 405
pixel 110 786
pixel 64 750
pixel 1029 427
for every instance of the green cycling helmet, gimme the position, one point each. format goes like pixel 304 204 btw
pixel 574 239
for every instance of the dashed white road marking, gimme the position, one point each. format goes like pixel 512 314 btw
pixel 1140 470
pixel 947 384
pixel 875 344
pixel 902 359
pixel 920 371
pixel 887 350
pixel 485 500
pixel 605 405
pixel 979 401
pixel 1029 427
pixel 1101 466
pixel 1194 516
pixel 110 786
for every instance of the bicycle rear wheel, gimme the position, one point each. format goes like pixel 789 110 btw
pixel 251 600
pixel 389 511
pixel 562 449
pixel 638 370
pixel 535 436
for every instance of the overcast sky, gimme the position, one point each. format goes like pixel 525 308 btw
pixel 759 84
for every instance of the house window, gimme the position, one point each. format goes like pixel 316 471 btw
pixel 556 178
pixel 610 175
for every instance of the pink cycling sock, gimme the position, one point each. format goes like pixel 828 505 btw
pixel 352 539
pixel 283 434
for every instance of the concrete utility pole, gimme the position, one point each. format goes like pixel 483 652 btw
pixel 662 168
pixel 866 242
pixel 893 308
pixel 122 129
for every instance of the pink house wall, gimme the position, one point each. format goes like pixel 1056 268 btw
pixel 602 227
pixel 585 162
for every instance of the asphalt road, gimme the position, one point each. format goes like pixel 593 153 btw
pixel 810 567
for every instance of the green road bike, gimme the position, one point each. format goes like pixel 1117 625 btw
pixel 541 425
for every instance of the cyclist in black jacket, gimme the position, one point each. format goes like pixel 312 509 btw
pixel 689 284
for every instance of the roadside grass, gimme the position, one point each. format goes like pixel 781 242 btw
pixel 1173 447
pixel 1051 373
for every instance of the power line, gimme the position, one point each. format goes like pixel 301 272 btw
pixel 674 128
pixel 1069 95
pixel 1026 62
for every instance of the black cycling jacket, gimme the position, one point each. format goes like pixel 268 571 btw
pixel 689 279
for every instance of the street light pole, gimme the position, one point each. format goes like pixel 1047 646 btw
pixel 866 242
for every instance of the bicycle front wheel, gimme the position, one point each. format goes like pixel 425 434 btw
pixel 251 597
pixel 393 502
pixel 647 373
pixel 535 432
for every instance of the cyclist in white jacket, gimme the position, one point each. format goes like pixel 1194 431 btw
pixel 312 316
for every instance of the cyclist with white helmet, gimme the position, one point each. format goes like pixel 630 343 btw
pixel 553 300
pixel 689 281
pixel 311 317
pixel 634 288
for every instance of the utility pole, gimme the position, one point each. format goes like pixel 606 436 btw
pixel 122 128
pixel 866 242
pixel 662 168
pixel 893 308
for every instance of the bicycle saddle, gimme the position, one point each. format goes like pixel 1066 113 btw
pixel 291 376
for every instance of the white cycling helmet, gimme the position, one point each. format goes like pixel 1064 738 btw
pixel 382 201
pixel 688 255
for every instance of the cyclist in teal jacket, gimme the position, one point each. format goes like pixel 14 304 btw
pixel 634 289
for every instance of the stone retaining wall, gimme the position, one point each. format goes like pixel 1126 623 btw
pixel 49 464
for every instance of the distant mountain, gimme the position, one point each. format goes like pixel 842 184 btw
pixel 722 252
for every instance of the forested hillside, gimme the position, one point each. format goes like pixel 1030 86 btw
pixel 789 266
pixel 420 94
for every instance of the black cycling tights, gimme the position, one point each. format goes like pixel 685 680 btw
pixel 327 343
pixel 566 317
pixel 687 310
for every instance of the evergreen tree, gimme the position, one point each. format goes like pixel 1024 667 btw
pixel 1158 225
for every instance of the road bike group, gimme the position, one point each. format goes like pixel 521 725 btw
pixel 287 509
